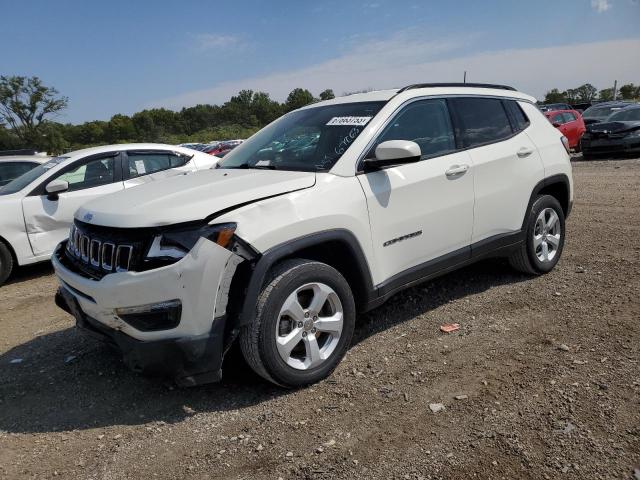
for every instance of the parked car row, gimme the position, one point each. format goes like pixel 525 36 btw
pixel 618 134
pixel 603 128
pixel 36 208
pixel 219 149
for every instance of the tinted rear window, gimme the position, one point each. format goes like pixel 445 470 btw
pixel 484 120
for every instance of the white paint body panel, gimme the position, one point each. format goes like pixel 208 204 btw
pixel 503 184
pixel 191 197
pixel 195 280
pixel 34 225
pixel 418 197
pixel 555 158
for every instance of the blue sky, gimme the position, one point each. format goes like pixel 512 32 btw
pixel 123 56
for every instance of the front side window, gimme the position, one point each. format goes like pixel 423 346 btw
pixel 151 162
pixel 312 139
pixel 92 174
pixel 426 122
pixel 559 118
pixel 569 117
pixel 11 170
pixel 484 120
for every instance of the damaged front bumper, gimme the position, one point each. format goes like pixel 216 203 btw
pixel 191 352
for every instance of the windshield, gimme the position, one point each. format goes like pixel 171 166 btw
pixel 311 140
pixel 22 181
pixel 626 115
pixel 600 112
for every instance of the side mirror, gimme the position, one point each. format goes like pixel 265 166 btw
pixel 556 124
pixel 393 152
pixel 55 187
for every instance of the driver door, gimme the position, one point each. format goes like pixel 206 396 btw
pixel 420 212
pixel 49 217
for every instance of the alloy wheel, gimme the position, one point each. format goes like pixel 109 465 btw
pixel 309 326
pixel 546 235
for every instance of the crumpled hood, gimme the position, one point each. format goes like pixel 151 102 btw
pixel 613 127
pixel 190 197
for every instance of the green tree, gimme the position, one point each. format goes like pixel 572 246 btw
pixel 571 95
pixel 606 94
pixel 299 97
pixel 554 96
pixel 265 109
pixel 120 129
pixel 630 91
pixel 25 104
pixel 327 94
pixel 586 93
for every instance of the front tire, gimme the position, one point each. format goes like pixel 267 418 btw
pixel 6 262
pixel 303 325
pixel 544 238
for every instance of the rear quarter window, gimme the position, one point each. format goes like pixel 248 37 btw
pixel 518 117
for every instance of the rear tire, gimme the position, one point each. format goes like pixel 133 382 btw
pixel 6 262
pixel 303 324
pixel 544 238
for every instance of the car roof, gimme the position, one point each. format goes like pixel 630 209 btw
pixel 126 146
pixel 554 112
pixel 25 158
pixel 613 103
pixel 426 90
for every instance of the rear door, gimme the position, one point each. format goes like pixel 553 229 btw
pixel 506 163
pixel 142 166
pixel 49 217
pixel 423 210
pixel 571 128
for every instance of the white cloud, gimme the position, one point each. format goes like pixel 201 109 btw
pixel 402 60
pixel 600 6
pixel 211 41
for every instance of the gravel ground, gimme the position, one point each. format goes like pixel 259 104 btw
pixel 541 381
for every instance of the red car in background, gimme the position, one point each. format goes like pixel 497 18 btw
pixel 570 123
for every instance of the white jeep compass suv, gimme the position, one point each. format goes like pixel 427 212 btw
pixel 324 213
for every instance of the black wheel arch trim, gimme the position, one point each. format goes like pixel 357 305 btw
pixel 560 178
pixel 269 258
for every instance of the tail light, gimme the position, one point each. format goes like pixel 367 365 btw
pixel 565 142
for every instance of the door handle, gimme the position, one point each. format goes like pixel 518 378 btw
pixel 525 152
pixel 457 170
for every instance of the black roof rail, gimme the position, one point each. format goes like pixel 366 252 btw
pixel 473 85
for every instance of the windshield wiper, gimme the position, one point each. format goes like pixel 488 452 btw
pixel 247 166
pixel 264 167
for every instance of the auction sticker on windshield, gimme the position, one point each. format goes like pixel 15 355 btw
pixel 357 121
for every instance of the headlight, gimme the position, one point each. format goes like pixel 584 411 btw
pixel 175 244
pixel 635 133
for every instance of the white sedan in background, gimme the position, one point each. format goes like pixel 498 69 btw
pixel 36 209
pixel 15 165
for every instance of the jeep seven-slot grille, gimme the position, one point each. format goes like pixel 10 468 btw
pixel 98 251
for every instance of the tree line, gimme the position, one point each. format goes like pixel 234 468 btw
pixel 28 109
pixel 587 93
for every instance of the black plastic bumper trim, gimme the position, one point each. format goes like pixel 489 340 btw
pixel 189 361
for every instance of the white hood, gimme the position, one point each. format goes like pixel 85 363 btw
pixel 189 197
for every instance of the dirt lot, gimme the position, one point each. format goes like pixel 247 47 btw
pixel 548 367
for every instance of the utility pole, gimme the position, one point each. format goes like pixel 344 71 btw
pixel 615 89
pixel 465 77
